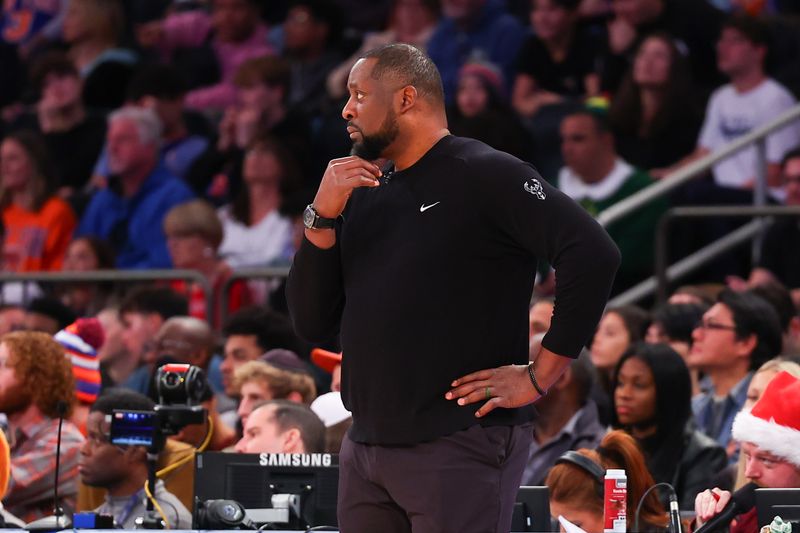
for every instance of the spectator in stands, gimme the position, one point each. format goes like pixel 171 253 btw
pixel 735 337
pixel 770 443
pixel 81 340
pixel 576 485
pixel 249 333
pixel 38 225
pixel 194 234
pixel 410 22
pixel 654 114
pixel 281 426
pixel 258 382
pixel 116 363
pixel 48 315
pixel 693 24
pixel 568 420
pixel 540 315
pixel 673 325
pixel 209 48
pixel 12 318
pixel 261 109
pixel 761 379
pixel 162 89
pixel 596 177
pixel 129 212
pixel 186 339
pixel 652 402
pixel 750 100
pixel 93 30
pixel 122 469
pixel 780 253
pixel 474 30
pixel 86 254
pixel 311 31
pixel 189 340
pixel 37 388
pixel 619 329
pixel 705 294
pixel 482 111
pixel 27 26
pixel 142 312
pixel 780 299
pixel 74 136
pixel 255 233
pixel 284 359
pixel 560 60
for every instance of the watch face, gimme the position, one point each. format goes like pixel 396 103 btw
pixel 308 217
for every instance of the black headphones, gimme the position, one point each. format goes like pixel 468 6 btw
pixel 587 465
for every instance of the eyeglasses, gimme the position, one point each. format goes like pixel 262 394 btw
pixel 707 324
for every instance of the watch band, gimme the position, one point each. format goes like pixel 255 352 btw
pixel 312 220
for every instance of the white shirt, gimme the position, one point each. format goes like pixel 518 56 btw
pixel 731 114
pixel 258 245
pixel 573 186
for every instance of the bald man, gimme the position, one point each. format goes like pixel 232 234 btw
pixel 425 268
pixel 185 339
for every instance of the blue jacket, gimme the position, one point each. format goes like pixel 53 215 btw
pixel 133 226
pixel 496 37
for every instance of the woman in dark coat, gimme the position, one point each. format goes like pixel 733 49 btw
pixel 652 402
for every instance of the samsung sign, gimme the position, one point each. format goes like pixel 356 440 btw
pixel 296 459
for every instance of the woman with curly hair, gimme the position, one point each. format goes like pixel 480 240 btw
pixel 36 387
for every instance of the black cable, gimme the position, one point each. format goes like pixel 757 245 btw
pixel 322 528
pixel 641 501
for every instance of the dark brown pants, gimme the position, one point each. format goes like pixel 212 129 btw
pixel 466 482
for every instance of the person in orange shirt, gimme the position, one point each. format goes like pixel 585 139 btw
pixel 38 225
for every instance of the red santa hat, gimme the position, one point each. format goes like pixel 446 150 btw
pixel 773 424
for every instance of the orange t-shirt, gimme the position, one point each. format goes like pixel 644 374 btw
pixel 37 241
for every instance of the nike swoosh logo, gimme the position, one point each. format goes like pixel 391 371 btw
pixel 424 207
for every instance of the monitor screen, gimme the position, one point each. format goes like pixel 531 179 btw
pixel 252 478
pixel 531 510
pixel 133 428
pixel 778 502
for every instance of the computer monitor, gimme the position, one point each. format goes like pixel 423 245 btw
pixel 531 510
pixel 252 479
pixel 778 502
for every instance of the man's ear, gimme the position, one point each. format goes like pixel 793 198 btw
pixel 745 347
pixel 408 98
pixel 292 441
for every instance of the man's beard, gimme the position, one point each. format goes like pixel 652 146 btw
pixel 371 147
pixel 14 399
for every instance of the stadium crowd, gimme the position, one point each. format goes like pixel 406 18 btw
pixel 191 134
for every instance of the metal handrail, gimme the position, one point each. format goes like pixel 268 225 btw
pixel 246 274
pixel 693 169
pixel 664 274
pixel 96 276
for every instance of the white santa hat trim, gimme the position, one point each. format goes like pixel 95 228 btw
pixel 781 441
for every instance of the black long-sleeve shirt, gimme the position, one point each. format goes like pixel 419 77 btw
pixel 430 279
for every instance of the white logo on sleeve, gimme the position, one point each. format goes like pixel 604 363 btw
pixel 424 207
pixel 535 188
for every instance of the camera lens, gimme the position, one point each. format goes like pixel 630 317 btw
pixel 171 379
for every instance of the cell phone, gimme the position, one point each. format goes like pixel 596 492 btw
pixel 133 428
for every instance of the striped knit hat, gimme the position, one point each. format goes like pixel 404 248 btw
pixel 82 339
